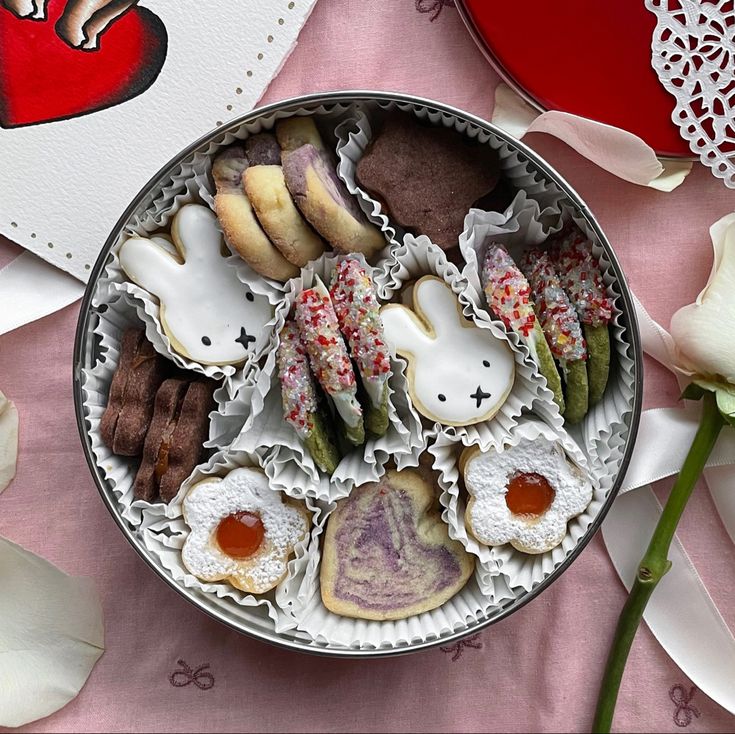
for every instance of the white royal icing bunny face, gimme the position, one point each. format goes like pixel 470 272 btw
pixel 458 374
pixel 209 315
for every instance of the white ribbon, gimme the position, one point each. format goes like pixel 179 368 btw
pixel 681 614
pixel 30 289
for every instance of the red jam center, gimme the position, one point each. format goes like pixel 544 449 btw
pixel 529 494
pixel 239 535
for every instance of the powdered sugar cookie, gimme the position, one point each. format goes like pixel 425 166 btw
pixel 208 315
pixel 242 531
pixel 458 374
pixel 523 495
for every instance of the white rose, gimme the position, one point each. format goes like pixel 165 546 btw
pixel 704 331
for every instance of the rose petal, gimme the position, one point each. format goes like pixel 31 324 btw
pixel 704 331
pixel 8 441
pixel 51 635
pixel 621 153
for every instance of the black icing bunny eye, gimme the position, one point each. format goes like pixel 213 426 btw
pixel 485 363
pixel 206 341
pixel 250 297
pixel 443 398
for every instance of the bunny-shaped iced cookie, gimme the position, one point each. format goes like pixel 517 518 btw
pixel 207 313
pixel 458 374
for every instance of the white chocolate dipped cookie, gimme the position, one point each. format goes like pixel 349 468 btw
pixel 458 374
pixel 242 531
pixel 208 315
pixel 523 495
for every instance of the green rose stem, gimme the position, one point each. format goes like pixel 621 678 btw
pixel 655 562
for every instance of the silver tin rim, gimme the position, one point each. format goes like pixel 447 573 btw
pixel 516 87
pixel 84 348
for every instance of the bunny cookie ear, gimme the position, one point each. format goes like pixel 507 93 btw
pixel 195 226
pixel 149 264
pixel 436 305
pixel 403 329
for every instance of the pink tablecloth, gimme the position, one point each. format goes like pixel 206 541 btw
pixel 538 670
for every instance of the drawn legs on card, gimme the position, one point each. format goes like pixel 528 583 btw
pixel 82 22
pixel 65 58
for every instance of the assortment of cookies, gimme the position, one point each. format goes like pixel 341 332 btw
pixel 384 551
pixel 281 204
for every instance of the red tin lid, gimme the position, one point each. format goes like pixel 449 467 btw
pixel 589 58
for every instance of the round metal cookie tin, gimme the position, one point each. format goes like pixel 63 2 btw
pixel 253 621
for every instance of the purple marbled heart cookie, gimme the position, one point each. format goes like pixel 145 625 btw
pixel 387 553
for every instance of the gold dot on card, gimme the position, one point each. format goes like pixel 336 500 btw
pixel 238 91
pixel 14 224
pixel 68 255
pixel 270 39
pixel 33 235
pixel 260 57
pixel 87 267
pixel 218 123
pixel 291 6
pixel 249 72
pixel 51 245
pixel 229 107
pixel 280 21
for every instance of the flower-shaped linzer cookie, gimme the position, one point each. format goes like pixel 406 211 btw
pixel 523 495
pixel 242 531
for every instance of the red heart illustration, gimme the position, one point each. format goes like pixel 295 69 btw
pixel 44 79
pixel 589 58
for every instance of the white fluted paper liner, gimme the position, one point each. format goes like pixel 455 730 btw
pixel 417 257
pixel 165 538
pixel 523 224
pixel 465 608
pixel 356 132
pixel 230 419
pixel 520 570
pixel 287 462
pixel 110 323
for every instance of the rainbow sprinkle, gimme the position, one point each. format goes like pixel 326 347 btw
pixel 356 305
pixel 580 276
pixel 507 291
pixel 557 315
pixel 319 330
pixel 297 384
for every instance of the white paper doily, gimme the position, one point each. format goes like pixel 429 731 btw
pixel 694 57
